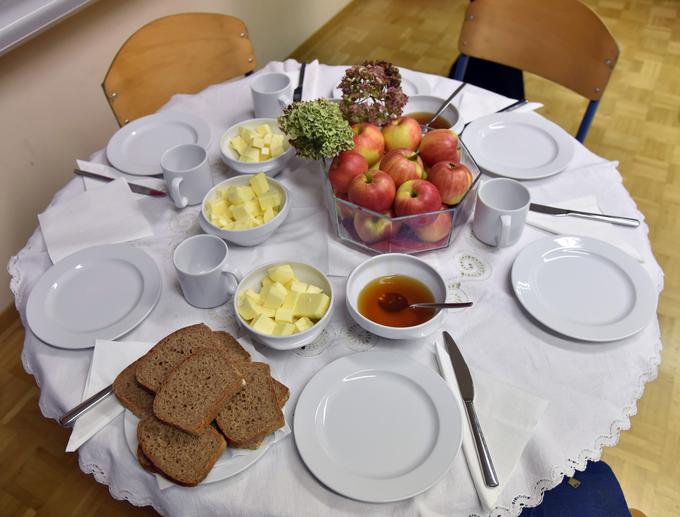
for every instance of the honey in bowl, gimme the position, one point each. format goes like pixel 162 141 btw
pixel 413 290
pixel 423 117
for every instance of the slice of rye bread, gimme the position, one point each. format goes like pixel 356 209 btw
pixel 170 351
pixel 228 344
pixel 181 457
pixel 131 394
pixel 282 394
pixel 253 412
pixel 144 461
pixel 195 391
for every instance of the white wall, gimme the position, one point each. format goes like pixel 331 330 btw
pixel 52 109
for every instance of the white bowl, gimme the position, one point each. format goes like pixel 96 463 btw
pixel 305 273
pixel 395 264
pixel 251 236
pixel 269 167
pixel 430 104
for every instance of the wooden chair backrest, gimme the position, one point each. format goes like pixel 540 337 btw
pixel 181 53
pixel 561 40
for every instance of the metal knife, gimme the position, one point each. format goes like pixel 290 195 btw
pixel 297 93
pixel 467 392
pixel 68 418
pixel 509 107
pixel 139 189
pixel 614 219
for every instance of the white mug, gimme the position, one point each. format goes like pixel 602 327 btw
pixel 272 92
pixel 500 212
pixel 205 275
pixel 187 174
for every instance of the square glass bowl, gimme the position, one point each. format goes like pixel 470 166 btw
pixel 374 232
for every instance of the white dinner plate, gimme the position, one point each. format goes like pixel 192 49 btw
pixel 584 288
pixel 227 464
pixel 101 292
pixel 377 426
pixel 521 146
pixel 137 147
pixel 412 83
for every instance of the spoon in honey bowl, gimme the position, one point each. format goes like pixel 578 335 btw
pixel 424 128
pixel 395 302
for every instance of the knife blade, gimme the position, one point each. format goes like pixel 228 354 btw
pixel 467 392
pixel 139 189
pixel 614 219
pixel 297 93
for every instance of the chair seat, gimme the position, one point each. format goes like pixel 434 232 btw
pixel 596 493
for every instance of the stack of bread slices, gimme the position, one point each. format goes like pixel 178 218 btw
pixel 194 392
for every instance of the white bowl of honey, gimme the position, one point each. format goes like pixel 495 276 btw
pixel 422 107
pixel 403 275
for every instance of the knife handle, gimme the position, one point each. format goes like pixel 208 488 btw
pixel 614 219
pixel 70 417
pixel 488 470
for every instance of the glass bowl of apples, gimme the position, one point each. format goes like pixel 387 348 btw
pixel 399 191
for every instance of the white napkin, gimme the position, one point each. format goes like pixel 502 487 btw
pixel 110 172
pixel 571 225
pixel 309 87
pixel 507 416
pixel 108 360
pixel 105 215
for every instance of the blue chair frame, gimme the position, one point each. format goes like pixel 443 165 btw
pixel 588 117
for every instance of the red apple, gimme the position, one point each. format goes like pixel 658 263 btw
pixel 373 228
pixel 436 230
pixel 402 165
pixel 344 168
pixel 452 180
pixel 368 141
pixel 374 190
pixel 417 197
pixel 402 133
pixel 439 145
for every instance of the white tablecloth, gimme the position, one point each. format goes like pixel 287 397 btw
pixel 592 389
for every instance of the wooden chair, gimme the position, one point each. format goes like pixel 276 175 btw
pixel 181 53
pixel 561 40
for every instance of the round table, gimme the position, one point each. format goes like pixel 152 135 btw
pixel 591 389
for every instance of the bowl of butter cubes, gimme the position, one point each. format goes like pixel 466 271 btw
pixel 256 145
pixel 284 305
pixel 245 210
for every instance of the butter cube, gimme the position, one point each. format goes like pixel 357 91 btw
pixel 270 199
pixel 268 215
pixel 263 129
pixel 303 324
pixel 270 313
pixel 264 324
pixel 277 140
pixel 265 282
pixel 312 289
pixel 257 142
pixel 284 329
pixel 240 195
pixel 313 306
pixel 285 315
pixel 275 150
pixel 239 144
pixel 246 134
pixel 275 296
pixel 251 154
pixel 298 287
pixel 281 274
pixel 259 184
pixel 248 309
pixel 244 223
pixel 291 300
pixel 249 293
pixel 267 139
pixel 245 210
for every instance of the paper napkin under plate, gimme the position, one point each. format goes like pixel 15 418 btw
pixel 572 225
pixel 508 416
pixel 108 360
pixel 106 215
pixel 110 172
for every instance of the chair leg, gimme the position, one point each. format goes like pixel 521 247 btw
pixel 461 65
pixel 587 119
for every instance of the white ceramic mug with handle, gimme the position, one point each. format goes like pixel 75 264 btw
pixel 272 92
pixel 187 174
pixel 500 212
pixel 205 275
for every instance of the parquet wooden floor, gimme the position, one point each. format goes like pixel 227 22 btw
pixel 638 123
